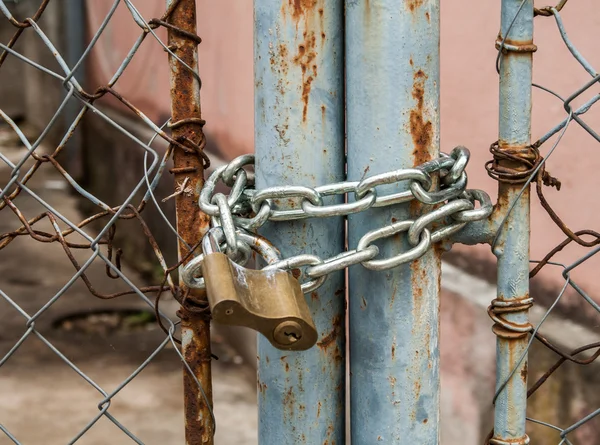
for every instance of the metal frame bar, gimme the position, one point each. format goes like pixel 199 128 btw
pixel 299 139
pixel 392 71
pixel 511 245
pixel 191 222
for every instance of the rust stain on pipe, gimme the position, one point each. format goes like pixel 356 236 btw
pixel 300 8
pixel 191 223
pixel 421 129
pixel 413 5
pixel 524 372
pixel 305 59
pixel 330 338
pixel 310 13
pixel 199 428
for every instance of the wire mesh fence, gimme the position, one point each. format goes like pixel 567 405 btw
pixel 90 240
pixel 533 171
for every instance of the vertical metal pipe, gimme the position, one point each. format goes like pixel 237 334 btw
pixel 392 72
pixel 299 139
pixel 186 127
pixel 512 246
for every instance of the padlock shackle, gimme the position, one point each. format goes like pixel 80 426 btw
pixel 191 273
pixel 212 240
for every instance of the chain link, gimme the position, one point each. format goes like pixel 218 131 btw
pixel 246 209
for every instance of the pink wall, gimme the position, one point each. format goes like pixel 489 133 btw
pixel 469 96
pixel 470 109
pixel 226 59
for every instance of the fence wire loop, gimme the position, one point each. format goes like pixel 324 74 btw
pixel 547 10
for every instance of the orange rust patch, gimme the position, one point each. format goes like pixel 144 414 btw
pixel 417 389
pixel 279 64
pixel 428 17
pixel 306 55
pixel 289 401
pixel 414 208
pixel 524 372
pixel 394 351
pixel 314 295
pixel 421 131
pixel 420 128
pixel 417 276
pixel 330 338
pixel 414 4
pixel 330 430
pixel 318 410
pixel 300 8
pixel 262 387
pixel 337 356
pixel 305 59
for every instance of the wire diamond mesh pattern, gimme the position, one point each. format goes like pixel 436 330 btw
pixel 95 234
pixel 584 430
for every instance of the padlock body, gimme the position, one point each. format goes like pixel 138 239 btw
pixel 257 299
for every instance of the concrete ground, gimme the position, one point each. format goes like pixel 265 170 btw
pixel 42 399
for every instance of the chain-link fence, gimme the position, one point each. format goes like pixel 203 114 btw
pixel 547 430
pixel 90 241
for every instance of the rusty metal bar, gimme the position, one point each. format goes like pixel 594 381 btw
pixel 186 127
pixel 392 72
pixel 511 246
pixel 299 139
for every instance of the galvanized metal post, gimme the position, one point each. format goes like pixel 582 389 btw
pixel 512 246
pixel 392 70
pixel 299 139
pixel 186 125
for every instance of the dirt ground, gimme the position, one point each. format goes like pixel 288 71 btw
pixel 42 399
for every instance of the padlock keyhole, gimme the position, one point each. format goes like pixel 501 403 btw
pixel 287 333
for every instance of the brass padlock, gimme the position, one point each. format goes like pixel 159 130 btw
pixel 268 301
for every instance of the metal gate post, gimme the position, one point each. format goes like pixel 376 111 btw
pixel 186 125
pixel 392 70
pixel 299 139
pixel 512 245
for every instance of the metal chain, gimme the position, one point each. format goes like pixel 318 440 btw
pixel 246 209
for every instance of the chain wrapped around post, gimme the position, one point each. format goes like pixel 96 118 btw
pixel 245 209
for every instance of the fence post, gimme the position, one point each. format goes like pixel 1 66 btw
pixel 512 244
pixel 392 71
pixel 186 125
pixel 299 139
